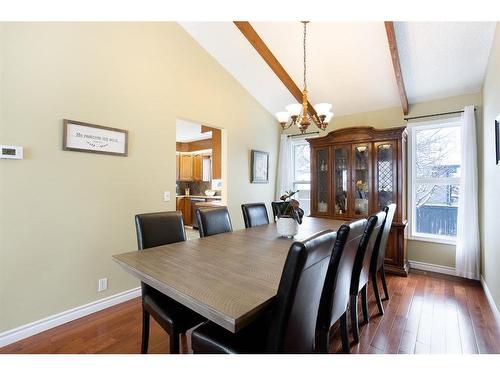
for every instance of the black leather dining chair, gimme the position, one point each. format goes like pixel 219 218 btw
pixel 213 221
pixel 156 229
pixel 378 257
pixel 276 206
pixel 361 270
pixel 254 214
pixel 335 295
pixel 289 326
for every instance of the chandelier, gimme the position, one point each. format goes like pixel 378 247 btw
pixel 298 114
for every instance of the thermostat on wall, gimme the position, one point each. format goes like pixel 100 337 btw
pixel 11 152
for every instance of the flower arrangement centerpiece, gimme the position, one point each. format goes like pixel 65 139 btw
pixel 289 215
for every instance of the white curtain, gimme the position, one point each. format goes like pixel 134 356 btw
pixel 467 255
pixel 285 167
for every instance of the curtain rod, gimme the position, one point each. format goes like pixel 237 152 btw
pixel 301 135
pixel 435 114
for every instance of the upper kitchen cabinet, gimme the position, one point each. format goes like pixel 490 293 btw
pixel 185 167
pixel 199 153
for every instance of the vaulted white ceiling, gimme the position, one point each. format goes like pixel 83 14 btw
pixel 349 63
pixel 443 59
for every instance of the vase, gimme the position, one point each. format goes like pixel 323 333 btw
pixel 287 227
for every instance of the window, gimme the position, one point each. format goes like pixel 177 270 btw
pixel 302 173
pixel 435 180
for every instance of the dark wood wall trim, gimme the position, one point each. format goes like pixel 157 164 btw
pixel 255 40
pixel 391 38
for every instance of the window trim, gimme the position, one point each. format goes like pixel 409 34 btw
pixel 295 142
pixel 455 121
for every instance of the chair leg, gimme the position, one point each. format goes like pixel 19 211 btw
pixel 174 342
pixel 354 318
pixel 364 303
pixel 377 295
pixel 384 284
pixel 323 341
pixel 343 333
pixel 145 332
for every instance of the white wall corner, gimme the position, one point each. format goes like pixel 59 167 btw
pixel 30 329
pixel 491 301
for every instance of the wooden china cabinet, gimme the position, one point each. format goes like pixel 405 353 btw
pixel 357 171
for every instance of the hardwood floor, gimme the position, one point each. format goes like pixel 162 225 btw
pixel 426 313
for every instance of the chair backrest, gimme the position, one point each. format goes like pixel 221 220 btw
pixel 276 205
pixel 159 228
pixel 254 214
pixel 293 321
pixel 361 271
pixel 335 295
pixel 213 221
pixel 378 256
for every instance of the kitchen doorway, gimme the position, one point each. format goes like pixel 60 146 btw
pixel 198 160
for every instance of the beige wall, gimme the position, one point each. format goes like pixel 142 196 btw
pixel 63 214
pixel 420 251
pixel 490 188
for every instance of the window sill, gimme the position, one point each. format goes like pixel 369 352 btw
pixel 433 240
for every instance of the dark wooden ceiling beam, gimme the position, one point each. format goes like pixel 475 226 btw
pixel 391 38
pixel 255 40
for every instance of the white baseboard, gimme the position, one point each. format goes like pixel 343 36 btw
pixel 451 271
pixel 491 301
pixel 30 329
pixel 432 267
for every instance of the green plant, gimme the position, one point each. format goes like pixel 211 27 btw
pixel 290 207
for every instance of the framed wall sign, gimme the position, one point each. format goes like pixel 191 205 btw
pixel 260 167
pixel 497 138
pixel 84 137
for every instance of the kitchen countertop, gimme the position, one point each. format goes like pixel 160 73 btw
pixel 199 196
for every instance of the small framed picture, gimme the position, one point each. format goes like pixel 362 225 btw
pixel 97 139
pixel 260 167
pixel 497 138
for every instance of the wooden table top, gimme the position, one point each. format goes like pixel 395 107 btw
pixel 227 278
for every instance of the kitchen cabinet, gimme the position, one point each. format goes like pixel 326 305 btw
pixel 184 205
pixel 193 204
pixel 186 167
pixel 197 167
pixel 193 167
pixel 177 166
pixel 187 205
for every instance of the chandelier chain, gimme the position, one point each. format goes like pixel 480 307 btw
pixel 300 114
pixel 305 61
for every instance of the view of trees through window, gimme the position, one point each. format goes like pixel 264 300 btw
pixel 436 180
pixel 302 174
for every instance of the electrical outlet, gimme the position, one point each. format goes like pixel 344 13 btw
pixel 166 196
pixel 102 285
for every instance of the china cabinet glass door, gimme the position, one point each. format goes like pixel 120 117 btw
pixel 322 189
pixel 361 179
pixel 385 166
pixel 341 180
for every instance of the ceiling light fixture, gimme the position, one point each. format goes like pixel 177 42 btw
pixel 298 114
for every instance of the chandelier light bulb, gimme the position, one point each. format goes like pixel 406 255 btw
pixel 322 109
pixel 282 117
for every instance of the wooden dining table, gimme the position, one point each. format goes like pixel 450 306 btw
pixel 228 278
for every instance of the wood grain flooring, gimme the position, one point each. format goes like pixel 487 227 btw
pixel 426 313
